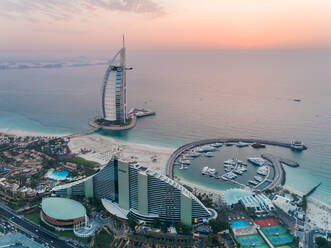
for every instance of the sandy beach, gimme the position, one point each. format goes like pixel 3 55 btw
pixel 101 149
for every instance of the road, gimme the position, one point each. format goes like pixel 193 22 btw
pixel 32 228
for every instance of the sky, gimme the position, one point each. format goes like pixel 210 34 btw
pixel 97 25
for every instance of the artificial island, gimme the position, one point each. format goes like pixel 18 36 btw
pixel 114 113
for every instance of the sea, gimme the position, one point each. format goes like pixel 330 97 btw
pixel 195 94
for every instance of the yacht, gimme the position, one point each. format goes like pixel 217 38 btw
pixel 204 170
pixel 242 144
pixel 297 145
pixel 262 170
pixel 239 172
pixel 209 154
pixel 257 161
pixel 233 161
pixel 217 144
pixel 194 154
pixel 228 144
pixel 258 178
pixel 186 162
pixel 206 148
pixel 224 178
pixel 252 182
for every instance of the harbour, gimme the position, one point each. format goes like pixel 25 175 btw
pixel 264 172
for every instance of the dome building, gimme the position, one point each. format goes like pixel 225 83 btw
pixel 63 213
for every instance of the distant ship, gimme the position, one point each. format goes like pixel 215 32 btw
pixel 258 145
pixel 297 145
pixel 242 144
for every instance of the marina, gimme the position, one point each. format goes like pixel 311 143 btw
pixel 260 173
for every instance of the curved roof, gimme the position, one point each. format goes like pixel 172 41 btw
pixel 114 209
pixel 232 196
pixel 62 208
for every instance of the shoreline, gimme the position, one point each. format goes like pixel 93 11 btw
pixel 23 133
pixel 141 153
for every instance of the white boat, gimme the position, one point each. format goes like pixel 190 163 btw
pixel 233 161
pixel 204 170
pixel 257 161
pixel 209 154
pixel 206 148
pixel 217 144
pixel 194 154
pixel 258 178
pixel 229 162
pixel 297 145
pixel 252 182
pixel 242 144
pixel 186 162
pixel 224 178
pixel 262 170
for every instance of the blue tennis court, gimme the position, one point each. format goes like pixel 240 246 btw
pixel 251 240
pixel 239 223
pixel 273 230
pixel 277 235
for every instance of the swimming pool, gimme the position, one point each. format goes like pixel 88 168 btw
pixel 239 223
pixel 58 175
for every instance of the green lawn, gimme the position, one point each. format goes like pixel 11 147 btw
pixel 83 162
pixel 34 216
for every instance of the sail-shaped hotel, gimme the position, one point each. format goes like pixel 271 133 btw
pixel 113 105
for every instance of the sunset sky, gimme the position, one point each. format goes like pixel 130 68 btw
pixel 91 25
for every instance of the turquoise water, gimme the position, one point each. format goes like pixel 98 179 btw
pixel 239 223
pixel 58 175
pixel 196 95
pixel 232 196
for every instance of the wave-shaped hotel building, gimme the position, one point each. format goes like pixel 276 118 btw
pixel 143 194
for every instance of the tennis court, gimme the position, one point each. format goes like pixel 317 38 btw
pixel 251 241
pixel 266 222
pixel 277 235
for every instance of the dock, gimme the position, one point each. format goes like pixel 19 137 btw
pixel 276 162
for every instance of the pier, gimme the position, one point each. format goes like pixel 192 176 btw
pixel 276 162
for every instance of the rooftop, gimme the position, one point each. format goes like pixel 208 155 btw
pixel 62 208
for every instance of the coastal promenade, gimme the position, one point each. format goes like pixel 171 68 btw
pixel 279 176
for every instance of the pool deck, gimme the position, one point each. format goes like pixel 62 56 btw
pixel 279 177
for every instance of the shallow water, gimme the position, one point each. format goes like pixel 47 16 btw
pixel 196 95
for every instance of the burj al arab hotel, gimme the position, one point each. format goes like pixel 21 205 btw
pixel 113 98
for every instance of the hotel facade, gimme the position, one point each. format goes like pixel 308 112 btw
pixel 130 190
pixel 113 105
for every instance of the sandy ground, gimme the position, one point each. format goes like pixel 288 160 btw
pixel 318 214
pixel 102 148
